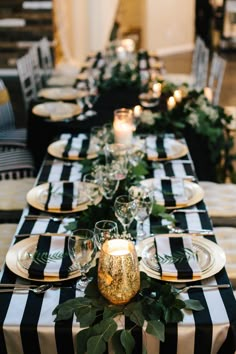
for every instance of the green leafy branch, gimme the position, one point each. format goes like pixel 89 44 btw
pixel 155 304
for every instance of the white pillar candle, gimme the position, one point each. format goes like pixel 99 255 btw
pixel 156 88
pixel 208 93
pixel 123 126
pixel 138 111
pixel 178 95
pixel 171 103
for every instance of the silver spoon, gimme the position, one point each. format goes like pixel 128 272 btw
pixel 21 290
pixel 178 230
pixel 44 217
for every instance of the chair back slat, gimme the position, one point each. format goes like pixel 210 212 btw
pixel 46 57
pixel 27 80
pixel 34 55
pixel 216 76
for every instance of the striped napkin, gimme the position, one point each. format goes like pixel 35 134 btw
pixel 51 258
pixel 76 147
pixel 62 196
pixel 170 191
pixel 158 147
pixel 176 258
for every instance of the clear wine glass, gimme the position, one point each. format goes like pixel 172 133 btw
pixel 144 199
pixel 108 181
pixel 105 230
pixel 125 210
pixel 82 251
pixel 92 187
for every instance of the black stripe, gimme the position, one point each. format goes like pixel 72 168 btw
pixel 67 147
pixel 84 148
pixel 66 262
pixel 169 169
pixel 160 147
pixel 49 195
pixel 183 268
pixel 28 326
pixel 36 270
pixel 203 324
pixel 171 340
pixel 166 188
pixel 188 169
pixel 45 171
pixel 66 170
pixel 63 329
pixel 67 198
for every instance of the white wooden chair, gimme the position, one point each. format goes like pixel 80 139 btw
pixel 9 136
pixel 27 80
pixel 37 71
pixel 197 79
pixel 216 76
pixel 46 58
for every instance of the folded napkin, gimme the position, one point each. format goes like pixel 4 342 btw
pixel 76 147
pixel 62 196
pixel 170 191
pixel 51 258
pixel 158 147
pixel 176 258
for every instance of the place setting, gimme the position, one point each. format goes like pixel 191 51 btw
pixel 57 111
pixel 160 148
pixel 59 93
pixel 173 192
pixel 61 197
pixel 74 148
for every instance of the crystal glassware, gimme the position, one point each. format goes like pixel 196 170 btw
pixel 107 178
pixel 125 210
pixel 105 230
pixel 92 187
pixel 82 251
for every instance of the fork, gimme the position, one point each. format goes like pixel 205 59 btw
pixel 24 290
pixel 205 287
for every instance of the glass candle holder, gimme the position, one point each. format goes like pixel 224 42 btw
pixel 123 126
pixel 118 271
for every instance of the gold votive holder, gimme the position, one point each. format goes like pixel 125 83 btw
pixel 118 271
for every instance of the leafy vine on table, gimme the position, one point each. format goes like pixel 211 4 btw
pixel 154 306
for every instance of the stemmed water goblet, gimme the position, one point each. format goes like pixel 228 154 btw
pixel 105 230
pixel 144 200
pixel 82 251
pixel 108 182
pixel 125 210
pixel 92 187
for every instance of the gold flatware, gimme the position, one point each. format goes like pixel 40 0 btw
pixel 205 287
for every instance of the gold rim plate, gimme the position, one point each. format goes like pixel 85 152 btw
pixel 57 148
pixel 13 264
pixel 211 257
pixel 178 149
pixel 193 191
pixel 56 111
pixel 59 93
pixel 37 196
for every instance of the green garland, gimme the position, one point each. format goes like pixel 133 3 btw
pixel 156 304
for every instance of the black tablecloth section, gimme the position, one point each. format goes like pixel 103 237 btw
pixel 41 131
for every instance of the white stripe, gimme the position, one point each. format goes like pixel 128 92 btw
pixel 178 169
pixel 163 248
pixel 55 172
pixel 11 324
pixel 193 221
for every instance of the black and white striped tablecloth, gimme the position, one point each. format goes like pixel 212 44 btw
pixel 27 325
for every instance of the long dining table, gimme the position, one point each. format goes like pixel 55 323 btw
pixel 26 321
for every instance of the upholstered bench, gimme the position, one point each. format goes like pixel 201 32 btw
pixel 220 200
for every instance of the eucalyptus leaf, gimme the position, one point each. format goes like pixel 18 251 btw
pixel 193 305
pixel 96 345
pixel 157 329
pixel 116 343
pixel 173 315
pixel 82 339
pixel 86 316
pixel 127 341
pixel 106 328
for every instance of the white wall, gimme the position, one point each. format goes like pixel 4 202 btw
pixel 168 25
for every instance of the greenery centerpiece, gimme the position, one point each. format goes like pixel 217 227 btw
pixel 155 306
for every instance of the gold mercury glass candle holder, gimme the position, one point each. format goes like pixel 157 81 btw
pixel 118 271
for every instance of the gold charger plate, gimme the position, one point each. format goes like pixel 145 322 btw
pixel 59 93
pixel 56 111
pixel 37 196
pixel 211 257
pixel 194 193
pixel 12 261
pixel 57 148
pixel 177 150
